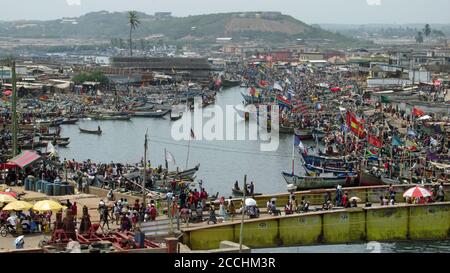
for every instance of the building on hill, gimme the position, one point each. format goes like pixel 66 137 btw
pixel 163 15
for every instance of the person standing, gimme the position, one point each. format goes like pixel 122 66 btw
pixel 104 217
pixel 441 193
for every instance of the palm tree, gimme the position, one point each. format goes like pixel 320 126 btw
pixel 427 30
pixel 134 22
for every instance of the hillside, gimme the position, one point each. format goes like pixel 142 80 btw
pixel 271 26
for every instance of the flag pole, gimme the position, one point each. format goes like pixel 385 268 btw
pixel 189 147
pixel 145 169
pixel 243 214
pixel 293 152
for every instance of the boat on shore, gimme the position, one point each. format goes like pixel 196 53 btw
pixel 69 121
pixel 54 138
pixel 226 83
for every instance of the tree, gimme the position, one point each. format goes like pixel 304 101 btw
pixel 95 76
pixel 134 22
pixel 419 37
pixel 427 30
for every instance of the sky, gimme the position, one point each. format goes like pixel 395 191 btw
pixel 308 11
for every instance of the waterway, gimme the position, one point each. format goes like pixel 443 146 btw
pixel 370 247
pixel 222 162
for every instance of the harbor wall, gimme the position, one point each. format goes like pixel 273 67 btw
pixel 389 223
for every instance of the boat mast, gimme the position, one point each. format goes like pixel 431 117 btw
pixel 293 152
pixel 243 214
pixel 14 109
pixel 145 168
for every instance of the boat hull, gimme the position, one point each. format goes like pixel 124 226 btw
pixel 317 182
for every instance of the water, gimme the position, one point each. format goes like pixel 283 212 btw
pixel 221 162
pixel 370 247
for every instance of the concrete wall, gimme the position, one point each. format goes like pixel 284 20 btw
pixel 400 222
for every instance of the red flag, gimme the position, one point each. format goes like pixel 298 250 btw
pixel 355 126
pixel 335 89
pixel 375 141
pixel 252 91
pixel 417 112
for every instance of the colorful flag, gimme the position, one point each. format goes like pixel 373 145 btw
pixel 371 155
pixel 417 112
pixel 375 141
pixel 284 102
pixel 396 141
pixel 355 125
pixel 385 99
pixel 411 145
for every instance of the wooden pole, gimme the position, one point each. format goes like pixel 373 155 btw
pixel 243 214
pixel 145 169
pixel 14 109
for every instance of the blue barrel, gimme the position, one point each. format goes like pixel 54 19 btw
pixel 43 186
pixel 57 189
pixel 69 189
pixel 49 188
pixel 26 184
pixel 64 189
pixel 38 185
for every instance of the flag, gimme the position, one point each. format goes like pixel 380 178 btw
pixel 371 155
pixel 417 112
pixel 396 141
pixel 252 91
pixel 375 141
pixel 51 149
pixel 335 89
pixel 433 141
pixel 411 132
pixel 355 126
pixel 385 99
pixel 173 70
pixel 192 134
pixel 432 156
pixel 277 86
pixel 411 145
pixel 169 157
pixel 284 102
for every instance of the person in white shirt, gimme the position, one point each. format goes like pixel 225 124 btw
pixel 12 220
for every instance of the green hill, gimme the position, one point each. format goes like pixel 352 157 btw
pixel 271 26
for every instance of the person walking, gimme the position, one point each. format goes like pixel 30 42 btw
pixel 104 217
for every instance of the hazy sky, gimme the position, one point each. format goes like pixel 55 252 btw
pixel 309 11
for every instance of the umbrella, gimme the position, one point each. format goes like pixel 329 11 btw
pixel 417 192
pixel 424 117
pixel 6 198
pixel 12 194
pixel 357 199
pixel 250 202
pixel 18 206
pixel 47 205
pixel 7 92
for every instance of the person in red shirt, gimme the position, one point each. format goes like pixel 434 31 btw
pixel 74 210
pixel 203 197
pixel 196 197
pixel 345 200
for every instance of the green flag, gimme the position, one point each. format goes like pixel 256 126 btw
pixel 385 99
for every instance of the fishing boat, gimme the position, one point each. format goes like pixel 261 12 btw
pixel 112 117
pixel 253 99
pixel 227 83
pixel 153 114
pixel 304 133
pixel 239 192
pixel 54 138
pixel 286 129
pixel 69 121
pixel 186 174
pixel 175 115
pixel 88 131
pixel 318 182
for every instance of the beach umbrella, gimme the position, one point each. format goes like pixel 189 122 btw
pixel 7 92
pixel 48 205
pixel 18 206
pixel 4 198
pixel 250 202
pixel 417 192
pixel 357 199
pixel 12 194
